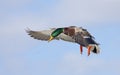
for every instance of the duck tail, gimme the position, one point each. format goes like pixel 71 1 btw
pixel 95 48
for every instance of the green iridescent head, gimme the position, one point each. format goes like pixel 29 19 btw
pixel 56 33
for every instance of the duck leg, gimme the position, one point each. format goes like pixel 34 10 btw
pixel 89 47
pixel 81 49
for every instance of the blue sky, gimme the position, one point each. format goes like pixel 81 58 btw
pixel 22 55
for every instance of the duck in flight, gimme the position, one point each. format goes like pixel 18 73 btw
pixel 72 34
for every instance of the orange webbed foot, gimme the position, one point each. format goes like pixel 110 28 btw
pixel 81 49
pixel 89 47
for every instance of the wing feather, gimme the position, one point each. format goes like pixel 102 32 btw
pixel 40 35
pixel 65 37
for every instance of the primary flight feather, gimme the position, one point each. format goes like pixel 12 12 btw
pixel 73 34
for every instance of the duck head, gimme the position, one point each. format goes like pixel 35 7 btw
pixel 55 33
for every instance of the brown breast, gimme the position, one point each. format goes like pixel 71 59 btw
pixel 69 31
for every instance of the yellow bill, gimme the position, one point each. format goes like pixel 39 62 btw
pixel 51 38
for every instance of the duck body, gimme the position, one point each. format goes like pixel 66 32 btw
pixel 73 34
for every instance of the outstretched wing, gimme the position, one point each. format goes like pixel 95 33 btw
pixel 40 35
pixel 67 38
pixel 45 35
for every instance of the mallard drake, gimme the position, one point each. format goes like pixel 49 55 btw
pixel 73 34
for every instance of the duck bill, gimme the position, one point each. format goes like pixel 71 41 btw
pixel 51 38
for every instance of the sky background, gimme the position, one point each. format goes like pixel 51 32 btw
pixel 23 55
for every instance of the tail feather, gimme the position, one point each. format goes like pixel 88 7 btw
pixel 95 49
